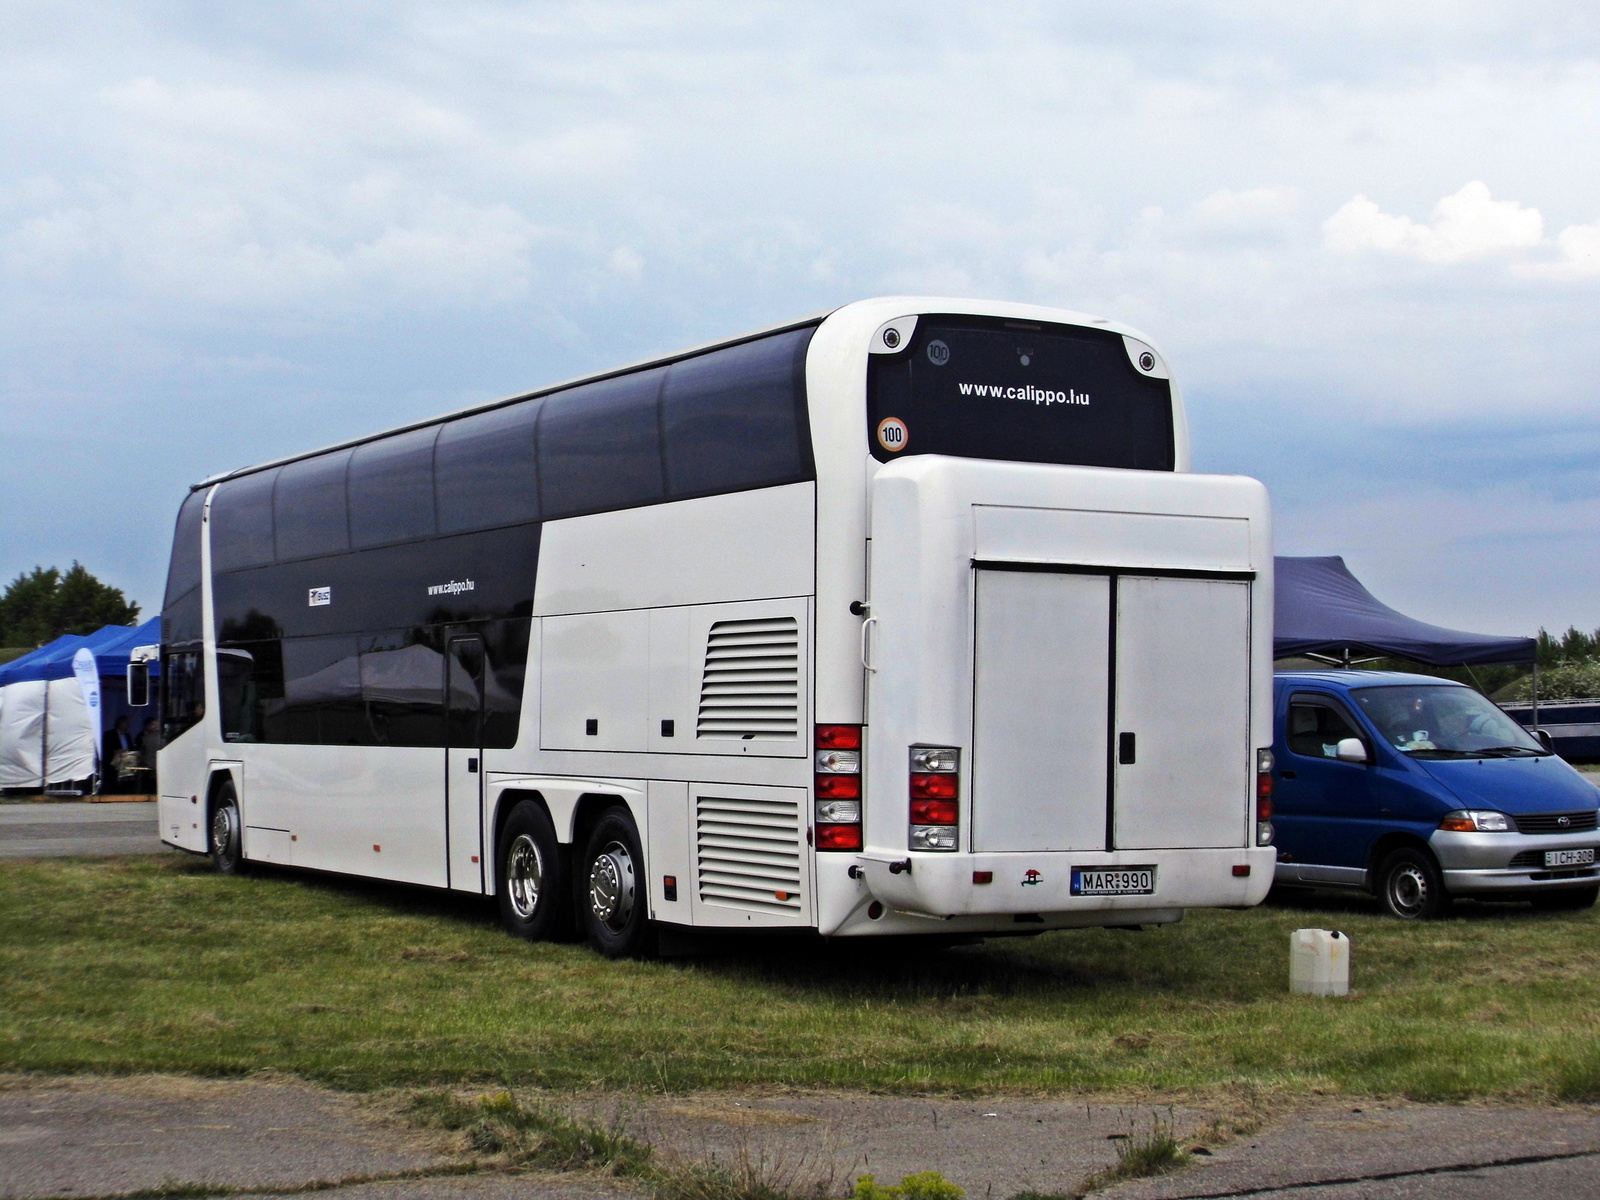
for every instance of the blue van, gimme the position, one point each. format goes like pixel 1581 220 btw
pixel 1420 790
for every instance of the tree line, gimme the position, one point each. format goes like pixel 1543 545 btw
pixel 39 606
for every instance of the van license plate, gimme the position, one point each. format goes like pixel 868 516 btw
pixel 1116 881
pixel 1569 858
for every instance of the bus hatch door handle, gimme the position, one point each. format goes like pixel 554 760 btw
pixel 472 766
pixel 865 626
pixel 1125 749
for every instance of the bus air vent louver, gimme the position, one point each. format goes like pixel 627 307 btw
pixel 748 853
pixel 751 685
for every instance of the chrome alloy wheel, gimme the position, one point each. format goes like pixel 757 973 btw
pixel 225 831
pixel 524 876
pixel 611 886
pixel 1408 890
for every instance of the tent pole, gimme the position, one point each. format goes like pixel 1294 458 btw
pixel 44 744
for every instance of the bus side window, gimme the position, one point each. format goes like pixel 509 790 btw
pixel 309 515
pixel 735 419
pixel 600 447
pixel 391 489
pixel 241 523
pixel 485 471
pixel 183 691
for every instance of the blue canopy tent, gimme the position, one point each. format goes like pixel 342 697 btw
pixel 48 734
pixel 1323 611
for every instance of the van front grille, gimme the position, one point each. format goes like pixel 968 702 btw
pixel 1584 821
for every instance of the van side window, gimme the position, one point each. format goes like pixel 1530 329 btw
pixel 1316 728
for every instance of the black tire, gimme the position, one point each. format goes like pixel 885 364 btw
pixel 615 902
pixel 1567 899
pixel 1410 886
pixel 535 893
pixel 226 835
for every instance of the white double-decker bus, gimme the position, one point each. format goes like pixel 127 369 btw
pixel 906 619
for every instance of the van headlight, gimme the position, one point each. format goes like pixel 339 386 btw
pixel 1474 820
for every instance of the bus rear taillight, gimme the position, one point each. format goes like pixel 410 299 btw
pixel 935 797
pixel 838 787
pixel 1263 797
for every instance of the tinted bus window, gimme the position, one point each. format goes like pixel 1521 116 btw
pixel 183 692
pixel 736 418
pixel 1029 393
pixel 485 471
pixel 183 569
pixel 309 507
pixel 391 489
pixel 600 446
pixel 180 609
pixel 241 522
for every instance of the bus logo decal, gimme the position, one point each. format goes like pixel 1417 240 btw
pixel 454 588
pixel 1031 878
pixel 320 597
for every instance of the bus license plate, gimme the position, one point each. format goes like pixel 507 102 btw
pixel 1569 858
pixel 1114 881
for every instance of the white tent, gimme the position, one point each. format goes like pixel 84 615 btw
pixel 48 737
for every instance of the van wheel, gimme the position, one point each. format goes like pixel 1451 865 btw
pixel 1567 899
pixel 615 900
pixel 227 833
pixel 1410 886
pixel 535 898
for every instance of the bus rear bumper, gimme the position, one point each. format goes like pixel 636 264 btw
pixel 962 885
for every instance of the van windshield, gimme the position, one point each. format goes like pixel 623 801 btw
pixel 985 388
pixel 1440 721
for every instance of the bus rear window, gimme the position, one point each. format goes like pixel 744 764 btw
pixel 980 388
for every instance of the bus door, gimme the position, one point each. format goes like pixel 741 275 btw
pixel 463 763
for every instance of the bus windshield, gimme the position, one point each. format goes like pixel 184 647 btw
pixel 983 388
pixel 1440 721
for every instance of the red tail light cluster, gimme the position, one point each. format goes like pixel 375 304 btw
pixel 1264 797
pixel 935 797
pixel 838 787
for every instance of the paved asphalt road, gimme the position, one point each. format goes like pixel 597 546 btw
pixel 73 827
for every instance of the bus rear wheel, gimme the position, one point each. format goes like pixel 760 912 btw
pixel 613 890
pixel 533 885
pixel 227 832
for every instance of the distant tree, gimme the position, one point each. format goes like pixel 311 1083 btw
pixel 41 605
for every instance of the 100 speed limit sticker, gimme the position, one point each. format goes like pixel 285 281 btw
pixel 892 435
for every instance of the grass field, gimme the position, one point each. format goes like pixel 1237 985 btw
pixel 156 964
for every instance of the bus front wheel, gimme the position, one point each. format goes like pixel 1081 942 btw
pixel 533 886
pixel 613 892
pixel 227 832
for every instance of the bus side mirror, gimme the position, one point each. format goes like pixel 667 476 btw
pixel 138 684
pixel 1351 750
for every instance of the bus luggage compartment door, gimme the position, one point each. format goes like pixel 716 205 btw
pixel 1110 711
pixel 1040 707
pixel 1183 769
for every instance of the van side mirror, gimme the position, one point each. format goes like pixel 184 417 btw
pixel 138 684
pixel 1544 739
pixel 1351 750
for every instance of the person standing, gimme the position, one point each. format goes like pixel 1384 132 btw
pixel 117 742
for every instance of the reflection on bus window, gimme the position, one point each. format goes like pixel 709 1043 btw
pixel 183 691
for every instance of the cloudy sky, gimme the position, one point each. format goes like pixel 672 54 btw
pixel 1367 234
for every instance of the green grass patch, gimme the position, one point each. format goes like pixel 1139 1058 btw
pixel 157 964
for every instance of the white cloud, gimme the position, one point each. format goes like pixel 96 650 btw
pixel 1470 224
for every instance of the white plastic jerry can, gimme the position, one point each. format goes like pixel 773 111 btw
pixel 1319 962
